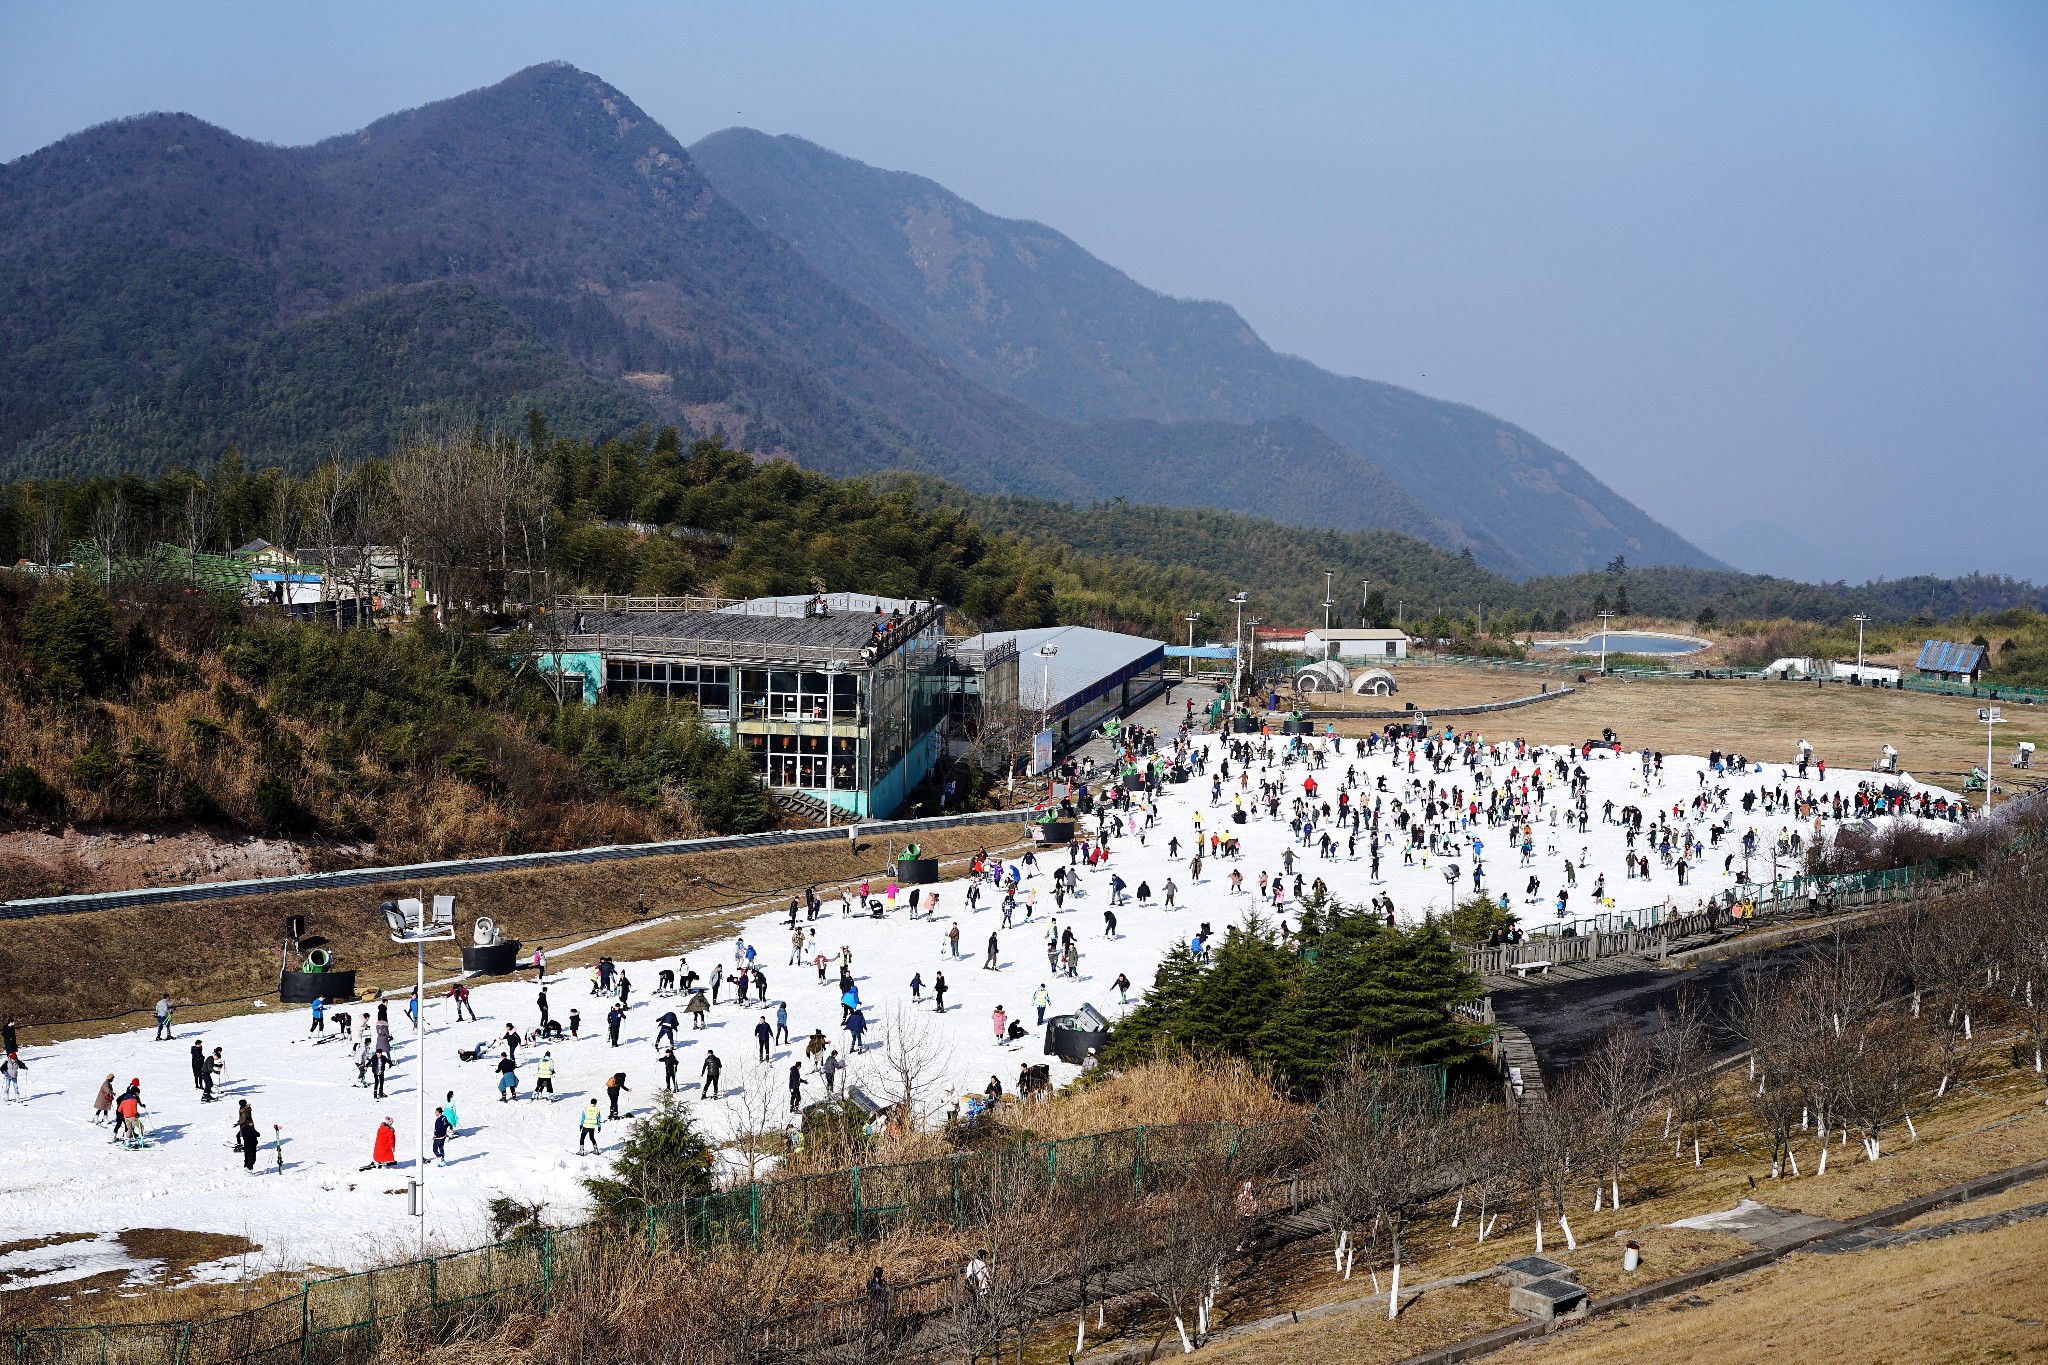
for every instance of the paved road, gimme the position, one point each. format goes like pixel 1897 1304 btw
pixel 1565 1020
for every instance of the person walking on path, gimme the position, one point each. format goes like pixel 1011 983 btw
pixel 587 1127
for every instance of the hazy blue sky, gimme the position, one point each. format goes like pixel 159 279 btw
pixel 1773 263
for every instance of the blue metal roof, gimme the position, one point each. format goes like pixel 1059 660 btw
pixel 1946 656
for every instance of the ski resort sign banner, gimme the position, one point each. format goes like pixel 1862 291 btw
pixel 1041 752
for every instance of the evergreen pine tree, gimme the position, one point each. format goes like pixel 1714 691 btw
pixel 662 1160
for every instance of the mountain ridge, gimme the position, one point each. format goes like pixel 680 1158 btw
pixel 167 288
pixel 999 298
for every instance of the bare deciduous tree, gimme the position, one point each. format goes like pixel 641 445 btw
pixel 1383 1135
pixel 1619 1076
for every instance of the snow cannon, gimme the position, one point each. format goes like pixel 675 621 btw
pixel 1071 1037
pixel 489 953
pixel 1887 761
pixel 914 869
pixel 315 976
pixel 2023 754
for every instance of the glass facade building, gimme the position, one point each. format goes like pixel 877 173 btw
pixel 821 693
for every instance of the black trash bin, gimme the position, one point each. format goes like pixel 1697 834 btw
pixel 1055 831
pixel 917 871
pixel 303 988
pixel 1070 1036
pixel 497 959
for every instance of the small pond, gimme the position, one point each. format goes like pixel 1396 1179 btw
pixel 1623 642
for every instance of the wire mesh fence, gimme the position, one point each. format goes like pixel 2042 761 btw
pixel 344 1318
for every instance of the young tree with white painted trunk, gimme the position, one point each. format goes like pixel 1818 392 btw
pixel 1619 1076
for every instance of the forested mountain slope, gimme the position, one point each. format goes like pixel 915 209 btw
pixel 171 289
pixel 1024 309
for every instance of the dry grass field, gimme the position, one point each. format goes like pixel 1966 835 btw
pixel 1997 1124
pixel 1976 1297
pixel 1847 725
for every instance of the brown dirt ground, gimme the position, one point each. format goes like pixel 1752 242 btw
pixel 72 975
pixel 1847 725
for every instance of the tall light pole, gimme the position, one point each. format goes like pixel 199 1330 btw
pixel 1604 616
pixel 1364 601
pixel 408 922
pixel 1860 619
pixel 1237 649
pixel 1992 719
pixel 1191 618
pixel 1251 664
pixel 1045 653
pixel 1329 581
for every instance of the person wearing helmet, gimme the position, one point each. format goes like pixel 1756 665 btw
pixel 128 1110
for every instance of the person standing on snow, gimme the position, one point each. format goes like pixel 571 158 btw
pixel 103 1103
pixel 10 1074
pixel 163 1017
pixel 544 1077
pixel 709 1075
pixel 508 1079
pixel 441 1130
pixel 128 1113
pixel 1042 1000
pixel 587 1127
pixel 384 1151
pixel 246 1141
